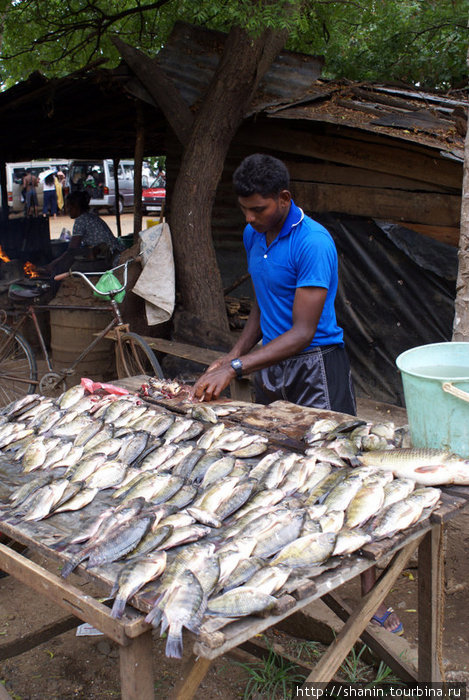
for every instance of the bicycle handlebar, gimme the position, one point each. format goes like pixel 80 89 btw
pixel 113 292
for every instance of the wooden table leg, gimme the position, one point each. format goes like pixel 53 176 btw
pixel 194 672
pixel 136 669
pixel 430 605
pixel 359 619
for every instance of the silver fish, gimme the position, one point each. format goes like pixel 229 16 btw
pixel 307 550
pixel 206 440
pixel 133 577
pixel 106 475
pixel 71 396
pixel 120 541
pixel 367 501
pixel 269 579
pixel 183 608
pixel 425 466
pixel 240 602
pixel 203 412
pixel 396 490
pixel 349 541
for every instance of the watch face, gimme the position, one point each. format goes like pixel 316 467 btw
pixel 237 366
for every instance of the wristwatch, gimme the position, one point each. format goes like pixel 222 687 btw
pixel 238 367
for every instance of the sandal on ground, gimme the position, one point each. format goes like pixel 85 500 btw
pixel 399 630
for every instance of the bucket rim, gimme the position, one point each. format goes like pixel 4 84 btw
pixel 410 351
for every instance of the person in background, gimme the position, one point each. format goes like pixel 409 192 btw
pixel 30 182
pixel 89 234
pixel 50 196
pixel 293 264
pixel 59 181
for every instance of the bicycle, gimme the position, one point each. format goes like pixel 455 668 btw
pixel 18 365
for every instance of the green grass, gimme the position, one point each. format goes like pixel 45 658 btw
pixel 275 677
pixel 272 677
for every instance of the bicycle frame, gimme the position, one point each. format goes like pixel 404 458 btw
pixel 30 312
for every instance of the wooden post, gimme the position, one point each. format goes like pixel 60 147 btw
pixel 136 669
pixel 138 158
pixel 359 619
pixel 430 605
pixel 194 672
pixel 115 162
pixel 3 191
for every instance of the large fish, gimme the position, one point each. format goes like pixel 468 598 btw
pixel 425 466
pixel 184 607
pixel 239 602
pixel 307 550
pixel 135 575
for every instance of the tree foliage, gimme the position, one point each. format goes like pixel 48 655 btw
pixel 421 42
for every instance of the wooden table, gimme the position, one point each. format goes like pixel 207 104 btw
pixel 219 637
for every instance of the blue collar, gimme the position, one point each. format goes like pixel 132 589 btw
pixel 295 217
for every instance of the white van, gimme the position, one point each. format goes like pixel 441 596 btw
pixel 97 178
pixel 15 173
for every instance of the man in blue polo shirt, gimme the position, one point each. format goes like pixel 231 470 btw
pixel 293 265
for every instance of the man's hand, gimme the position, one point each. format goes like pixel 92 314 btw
pixel 210 385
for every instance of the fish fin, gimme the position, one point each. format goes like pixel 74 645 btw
pixel 72 564
pixel 429 469
pixel 118 607
pixel 174 642
pixel 164 625
pixel 195 623
pixel 154 616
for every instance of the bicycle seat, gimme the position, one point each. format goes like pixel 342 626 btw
pixel 27 291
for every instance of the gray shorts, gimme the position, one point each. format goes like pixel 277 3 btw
pixel 319 378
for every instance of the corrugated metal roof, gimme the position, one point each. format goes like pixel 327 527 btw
pixel 191 54
pixel 429 119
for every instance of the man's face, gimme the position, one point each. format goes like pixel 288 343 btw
pixel 265 214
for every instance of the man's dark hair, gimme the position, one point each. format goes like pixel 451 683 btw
pixel 261 174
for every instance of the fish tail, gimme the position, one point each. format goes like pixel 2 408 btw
pixel 72 564
pixel 174 642
pixel 118 607
pixel 154 616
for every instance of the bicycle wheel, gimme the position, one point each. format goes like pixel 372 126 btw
pixel 136 358
pixel 18 367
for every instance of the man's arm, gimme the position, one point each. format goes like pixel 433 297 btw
pixel 307 310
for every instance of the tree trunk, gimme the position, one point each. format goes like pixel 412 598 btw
pixel 242 65
pixel 461 306
pixel 244 62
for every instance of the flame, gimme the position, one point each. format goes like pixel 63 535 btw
pixel 3 257
pixel 30 270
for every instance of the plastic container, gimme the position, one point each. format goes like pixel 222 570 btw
pixel 435 378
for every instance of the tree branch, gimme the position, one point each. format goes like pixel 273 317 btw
pixel 160 87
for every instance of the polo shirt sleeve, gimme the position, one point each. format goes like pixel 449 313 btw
pixel 316 260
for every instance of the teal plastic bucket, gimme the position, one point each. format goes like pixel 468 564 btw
pixel 436 389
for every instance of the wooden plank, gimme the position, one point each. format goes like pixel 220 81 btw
pixel 352 629
pixel 357 177
pixel 136 669
pixel 444 234
pixel 203 356
pixel 400 668
pixel 25 643
pixel 394 205
pixel 241 630
pixel 430 605
pixel 382 157
pixel 194 672
pixel 69 597
pixel 450 503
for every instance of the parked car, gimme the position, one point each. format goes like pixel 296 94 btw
pixel 154 195
pixel 15 173
pixel 97 178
